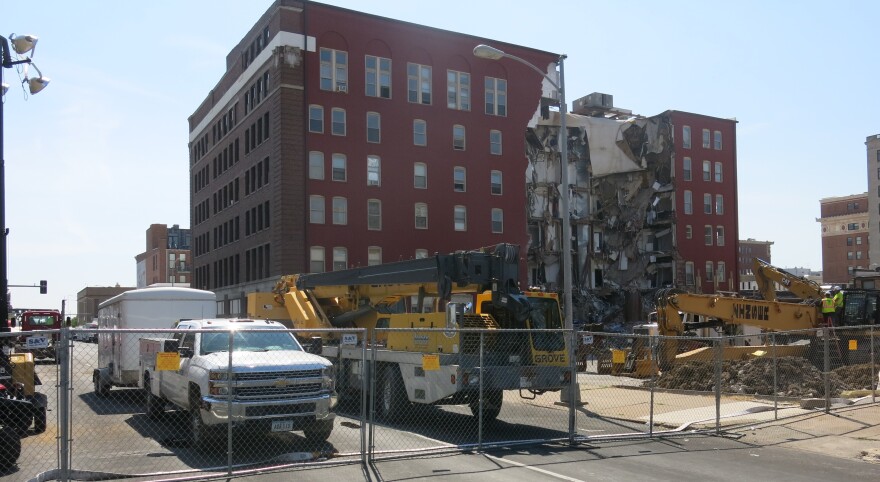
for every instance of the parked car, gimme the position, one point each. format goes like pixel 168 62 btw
pixel 81 333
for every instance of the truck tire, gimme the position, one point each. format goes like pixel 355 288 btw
pixel 491 405
pixel 154 406
pixel 319 431
pixel 39 420
pixel 391 397
pixel 10 448
pixel 199 433
pixel 101 389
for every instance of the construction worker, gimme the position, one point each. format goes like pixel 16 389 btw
pixel 838 304
pixel 828 308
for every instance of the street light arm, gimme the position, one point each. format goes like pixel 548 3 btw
pixel 491 53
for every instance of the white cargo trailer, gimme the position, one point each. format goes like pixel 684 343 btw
pixel 142 309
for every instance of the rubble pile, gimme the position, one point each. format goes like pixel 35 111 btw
pixel 858 377
pixel 795 377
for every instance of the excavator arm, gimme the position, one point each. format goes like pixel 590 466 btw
pixel 767 275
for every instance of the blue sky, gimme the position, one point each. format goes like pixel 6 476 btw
pixel 101 154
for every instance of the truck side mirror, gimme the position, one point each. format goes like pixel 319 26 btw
pixel 315 345
pixel 451 318
pixel 186 352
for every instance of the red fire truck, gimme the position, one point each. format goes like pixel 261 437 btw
pixel 42 345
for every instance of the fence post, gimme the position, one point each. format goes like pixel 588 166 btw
pixel 775 374
pixel 65 408
pixel 719 361
pixel 826 353
pixel 371 374
pixel 653 354
pixel 480 399
pixel 229 396
pixel 364 390
pixel 572 386
pixel 875 381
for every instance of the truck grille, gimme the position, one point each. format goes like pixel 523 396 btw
pixel 278 391
pixel 288 409
pixel 277 375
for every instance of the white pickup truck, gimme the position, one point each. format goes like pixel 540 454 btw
pixel 266 382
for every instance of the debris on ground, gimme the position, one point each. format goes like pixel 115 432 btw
pixel 795 377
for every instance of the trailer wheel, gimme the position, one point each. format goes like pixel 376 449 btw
pixel 153 405
pixel 392 398
pixel 39 419
pixel 101 389
pixel 10 447
pixel 491 405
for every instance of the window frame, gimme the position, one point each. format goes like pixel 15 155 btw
pixel 378 75
pixel 334 169
pixel 313 120
pixel 497 221
pixel 374 117
pixel 719 173
pixel 377 170
pixel 707 203
pixel 496 88
pixel 416 166
pixel 458 90
pixel 492 184
pixel 423 133
pixel 719 204
pixel 374 216
pixel 716 140
pixel 314 167
pixel 423 207
pixel 340 211
pixel 686 137
pixel 419 86
pixel 313 250
pixel 459 218
pixel 372 258
pixel 707 140
pixel 340 258
pixel 719 236
pixel 334 122
pixel 459 179
pixel 708 235
pixel 688 202
pixel 687 167
pixel 459 142
pixel 336 68
pixel 314 211
pixel 495 142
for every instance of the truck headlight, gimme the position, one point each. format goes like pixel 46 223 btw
pixel 219 376
pixel 218 390
pixel 327 378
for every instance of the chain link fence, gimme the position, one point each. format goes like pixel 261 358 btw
pixel 169 404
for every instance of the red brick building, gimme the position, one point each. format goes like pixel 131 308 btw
pixel 338 139
pixel 706 219
pixel 844 237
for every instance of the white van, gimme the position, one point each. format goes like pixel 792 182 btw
pixel 143 309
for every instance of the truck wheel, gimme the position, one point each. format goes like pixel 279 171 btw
pixel 199 433
pixel 154 406
pixel 10 448
pixel 392 398
pixel 20 420
pixel 101 388
pixel 319 431
pixel 39 419
pixel 491 405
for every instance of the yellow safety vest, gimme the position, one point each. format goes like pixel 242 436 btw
pixel 828 305
pixel 838 300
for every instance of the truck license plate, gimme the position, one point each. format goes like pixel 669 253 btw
pixel 282 425
pixel 37 342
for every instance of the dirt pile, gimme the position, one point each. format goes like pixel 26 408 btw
pixel 795 377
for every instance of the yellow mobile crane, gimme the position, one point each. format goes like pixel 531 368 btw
pixel 419 293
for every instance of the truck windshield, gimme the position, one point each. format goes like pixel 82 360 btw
pixel 545 315
pixel 41 320
pixel 244 340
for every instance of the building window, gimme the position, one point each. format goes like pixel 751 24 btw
pixel 686 137
pixel 374 215
pixel 458 137
pixel 316 119
pixel 316 259
pixel 689 273
pixel 495 142
pixel 719 204
pixel 374 255
pixel 496 96
pixel 858 255
pixel 338 169
pixel 458 90
pixel 710 275
pixel 337 122
pixel 878 156
pixel 334 70
pixel 719 235
pixel 374 128
pixel 497 221
pixel 340 259
pixel 707 171
pixel 858 240
pixel 316 165
pixel 420 175
pixel 418 79
pixel 852 226
pixel 707 203
pixel 421 216
pixel 686 167
pixel 849 241
pixel 378 73
pixel 721 272
pixel 459 179
pixel 373 171
pixel 340 210
pixel 421 253
pixel 688 232
pixel 706 141
pixel 717 138
pixel 420 132
pixel 718 176
pixel 688 202
pixel 495 182
pixel 708 234
pixel 460 218
pixel 316 209
pixel 849 255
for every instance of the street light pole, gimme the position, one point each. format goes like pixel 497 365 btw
pixel 491 53
pixel 22 45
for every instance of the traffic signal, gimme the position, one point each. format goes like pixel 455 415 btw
pixel 43 288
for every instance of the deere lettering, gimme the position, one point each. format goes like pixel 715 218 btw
pixel 751 312
pixel 553 358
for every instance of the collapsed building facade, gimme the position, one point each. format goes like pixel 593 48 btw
pixel 637 226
